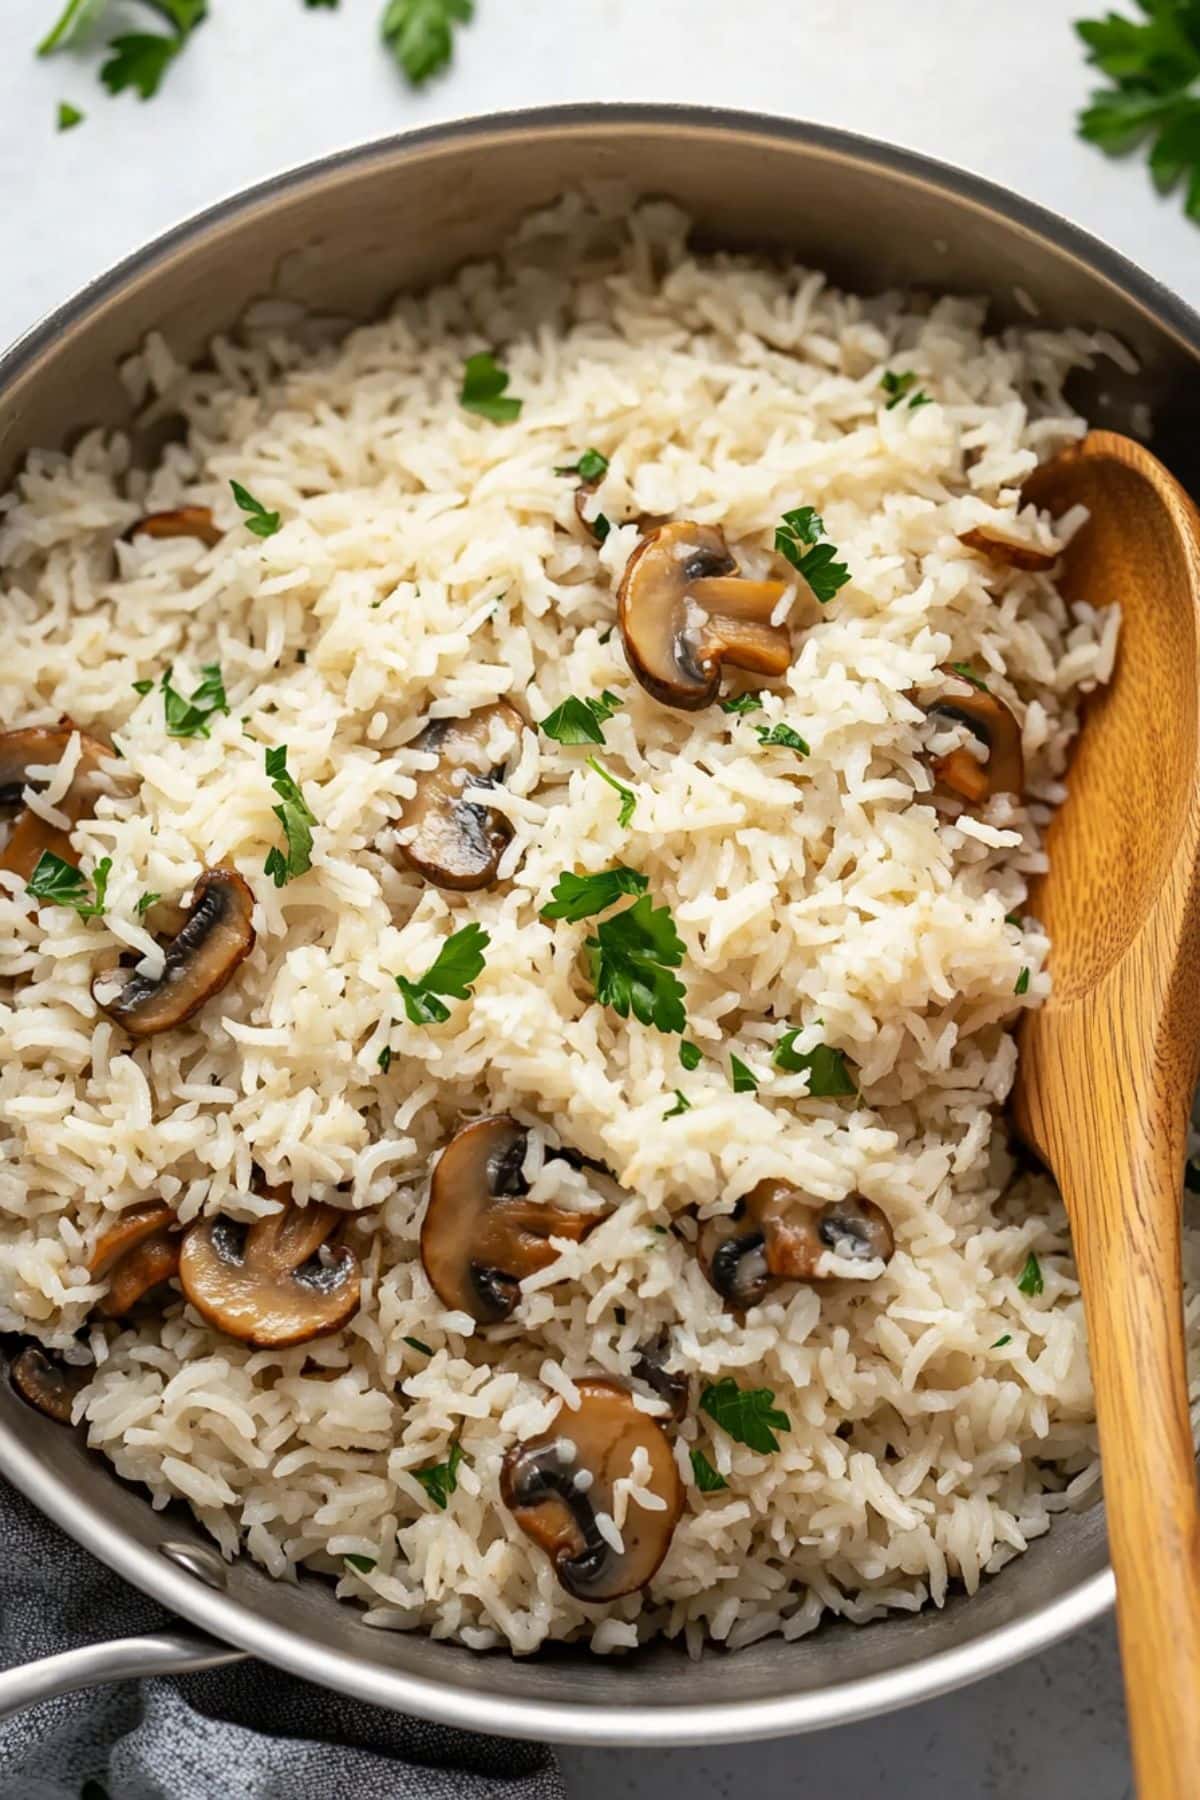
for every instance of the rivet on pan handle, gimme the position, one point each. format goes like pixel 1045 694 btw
pixel 125 1659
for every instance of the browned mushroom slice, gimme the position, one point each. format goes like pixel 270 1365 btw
pixel 675 1389
pixel 557 1485
pixel 685 612
pixel 181 522
pixel 32 836
pixel 481 1234
pixel 991 723
pixel 47 1383
pixel 1009 552
pixel 776 1235
pixel 217 937
pixel 135 1255
pixel 452 842
pixel 279 1281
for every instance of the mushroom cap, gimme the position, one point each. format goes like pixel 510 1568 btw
pixel 179 522
pixel 539 1483
pixel 1009 552
pixel 216 938
pixel 266 1283
pixel 995 726
pixel 673 1387
pixel 32 835
pixel 776 1234
pixel 482 1235
pixel 684 612
pixel 136 1254
pixel 456 843
pixel 47 1383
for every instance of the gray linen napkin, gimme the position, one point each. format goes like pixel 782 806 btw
pixel 242 1733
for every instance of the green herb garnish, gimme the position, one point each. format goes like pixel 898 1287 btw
pixel 682 1105
pixel 1030 1279
pixel 297 819
pixel 628 797
pixel 441 1479
pixel 262 523
pixel 1021 985
pixel 1014 919
pixel 968 674
pixel 591 466
pixel 140 59
pixel 690 1055
pixel 631 958
pixel 783 735
pixel 420 34
pixel 142 687
pixel 364 1564
pixel 458 963
pixel 828 1072
pixel 899 386
pixel 384 1059
pixel 580 896
pixel 742 703
pixel 69 116
pixel 416 1344
pixel 744 1080
pixel 749 1415
pixel 190 717
pixel 580 721
pixel 1001 1341
pixel 1153 66
pixel 600 528
pixel 59 883
pixel 704 1475
pixel 798 538
pixel 146 902
pixel 483 392
pixel 70 25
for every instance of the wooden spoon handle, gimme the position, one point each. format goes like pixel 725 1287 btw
pixel 1127 1243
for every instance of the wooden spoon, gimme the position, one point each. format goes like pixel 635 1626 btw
pixel 1108 1066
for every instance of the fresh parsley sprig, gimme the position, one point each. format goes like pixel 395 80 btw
pixel 628 797
pixel 483 390
pixel 1030 1280
pixel 190 717
pixel 631 958
pixel 829 1076
pixel 742 703
pixel 1152 65
pixel 743 1080
pixel 262 523
pixel 798 537
pixel 60 883
pixel 707 1479
pixel 440 1480
pixel 581 896
pixel 420 34
pixel 458 964
pixel 297 819
pixel 899 385
pixel 749 1415
pixel 784 736
pixel 578 721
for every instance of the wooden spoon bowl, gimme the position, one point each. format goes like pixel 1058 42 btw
pixel 1108 1066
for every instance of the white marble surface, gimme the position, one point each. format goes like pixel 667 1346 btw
pixel 268 84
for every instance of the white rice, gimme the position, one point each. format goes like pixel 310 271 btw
pixel 430 561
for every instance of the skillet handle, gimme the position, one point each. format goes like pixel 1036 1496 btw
pixel 125 1659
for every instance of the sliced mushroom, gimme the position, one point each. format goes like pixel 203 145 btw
pixel 280 1281
pixel 991 723
pixel 48 1383
pixel 685 612
pixel 556 1485
pixel 136 1254
pixel 180 522
pixel 775 1234
pixel 673 1388
pixel 452 842
pixel 1009 552
pixel 32 836
pixel 481 1234
pixel 217 937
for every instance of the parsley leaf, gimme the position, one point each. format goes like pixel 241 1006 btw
pixel 1154 67
pixel 440 1480
pixel 1001 1341
pixel 458 963
pixel 139 59
pixel 782 734
pixel 59 883
pixel 420 34
pixel 1030 1279
pixel 364 1564
pixel 483 392
pixel 1021 985
pixel 190 718
pixel 682 1105
pixel 745 1081
pixel 416 1344
pixel 742 703
pixel 828 1072
pixel 69 116
pixel 704 1475
pixel 631 958
pixel 968 674
pixel 690 1055
pixel 579 896
pixel 384 1059
pixel 798 538
pixel 600 528
pixel 71 25
pixel 262 523
pixel 145 903
pixel 900 386
pixel 591 466
pixel 749 1415
pixel 296 818
pixel 628 797
pixel 580 721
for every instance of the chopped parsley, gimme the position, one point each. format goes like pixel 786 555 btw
pixel 140 59
pixel 899 386
pixel 1153 67
pixel 71 23
pixel 190 717
pixel 704 1475
pixel 968 674
pixel 146 902
pixel 580 896
pixel 628 797
pixel 749 1415
pixel 59 883
pixel 743 1079
pixel 262 523
pixel 458 963
pixel 1021 985
pixel 440 1480
pixel 600 528
pixel 783 735
pixel 416 1344
pixel 483 385
pixel 580 721
pixel 142 687
pixel 1030 1279
pixel 682 1105
pixel 1001 1341
pixel 297 819
pixel 690 1055
pixel 798 538
pixel 828 1071
pixel 69 116
pixel 420 34
pixel 631 958
pixel 742 703
pixel 364 1564
pixel 591 466
pixel 384 1059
